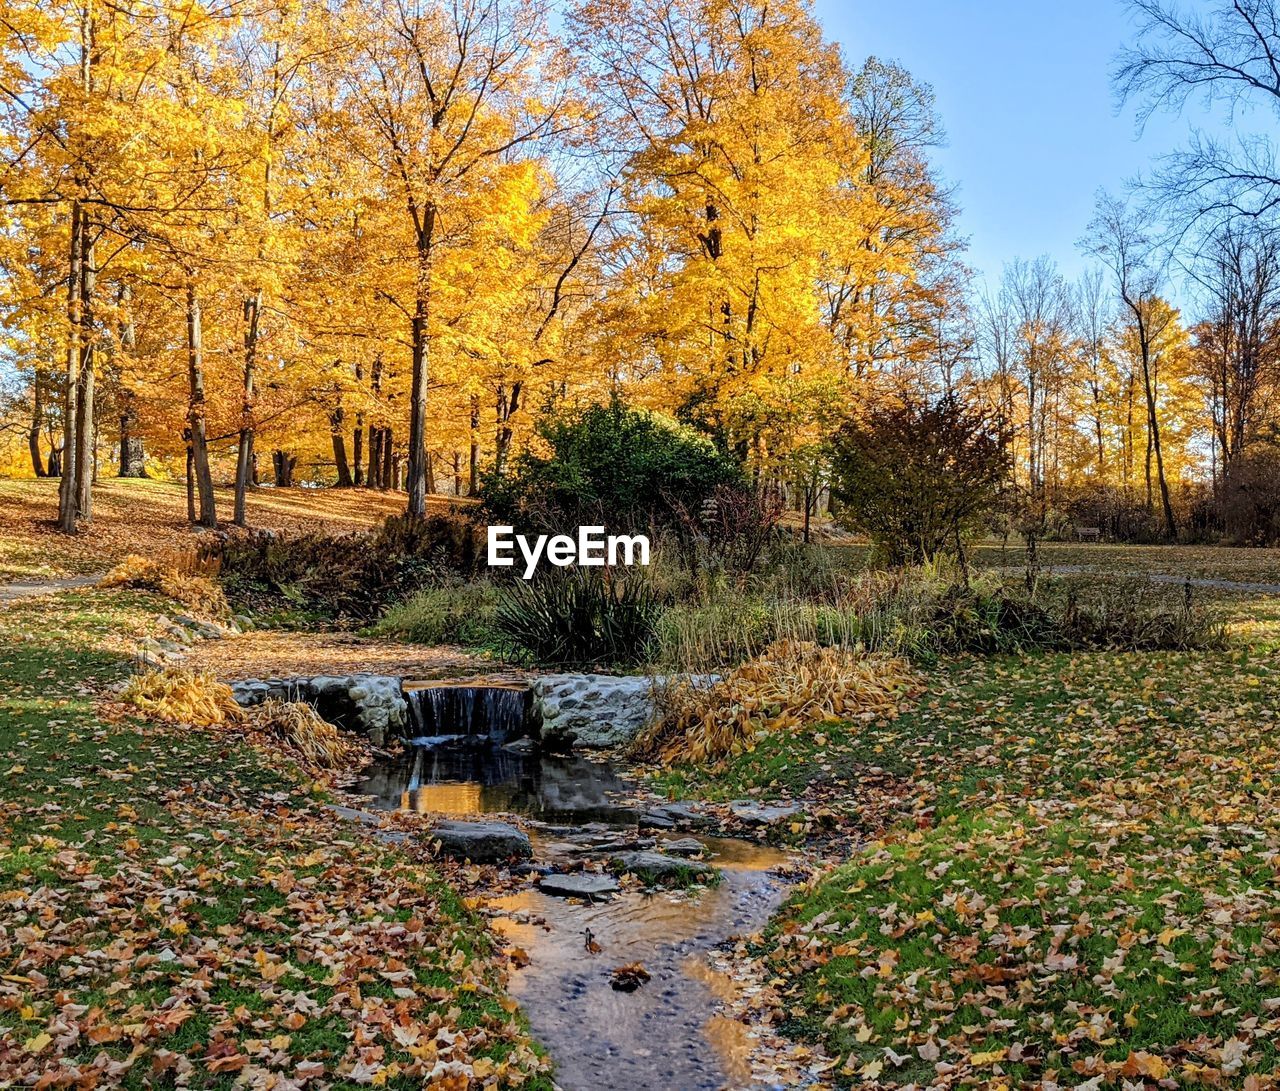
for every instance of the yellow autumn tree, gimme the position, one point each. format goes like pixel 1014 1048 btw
pixel 447 108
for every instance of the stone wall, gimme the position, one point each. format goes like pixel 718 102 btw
pixel 372 704
pixel 598 710
pixel 591 710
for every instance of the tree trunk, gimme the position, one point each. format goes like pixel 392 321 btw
pixel 283 464
pixel 72 489
pixel 245 472
pixel 374 478
pixel 421 341
pixel 1153 424
pixel 339 448
pixel 37 422
pixel 390 462
pixel 133 457
pixel 473 477
pixel 68 491
pixel 357 451
pixel 208 515
pixel 357 438
pixel 190 477
pixel 507 408
pixel 86 426
pixel 418 409
pixel 457 474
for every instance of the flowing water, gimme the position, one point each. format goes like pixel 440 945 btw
pixel 498 712
pixel 664 1036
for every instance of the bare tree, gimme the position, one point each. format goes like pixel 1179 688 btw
pixel 1226 53
pixel 1093 320
pixel 1038 306
pixel 1120 238
pixel 996 331
pixel 1238 268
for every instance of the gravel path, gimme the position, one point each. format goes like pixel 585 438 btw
pixel 12 592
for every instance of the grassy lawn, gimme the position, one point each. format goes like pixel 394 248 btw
pixel 1236 564
pixel 179 910
pixel 1241 565
pixel 1074 879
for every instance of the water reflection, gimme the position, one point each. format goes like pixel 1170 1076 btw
pixel 478 777
pixel 663 1036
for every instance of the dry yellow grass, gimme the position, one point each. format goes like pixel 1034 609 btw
pixel 300 728
pixel 182 697
pixel 178 576
pixel 149 517
pixel 789 686
pixel 196 699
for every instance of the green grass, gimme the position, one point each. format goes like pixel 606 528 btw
pixel 193 903
pixel 455 613
pixel 1073 875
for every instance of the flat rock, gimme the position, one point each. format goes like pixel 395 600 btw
pixel 658 866
pixel 657 819
pixel 762 814
pixel 686 846
pixel 560 848
pixel 481 842
pixel 686 813
pixel 578 886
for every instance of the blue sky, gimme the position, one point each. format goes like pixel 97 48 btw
pixel 1024 93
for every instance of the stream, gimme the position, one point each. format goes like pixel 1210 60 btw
pixel 666 1035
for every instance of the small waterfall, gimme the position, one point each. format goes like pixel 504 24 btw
pixel 454 712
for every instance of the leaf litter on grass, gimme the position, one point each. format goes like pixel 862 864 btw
pixel 1080 892
pixel 180 909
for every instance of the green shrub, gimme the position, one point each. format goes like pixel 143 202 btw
pixel 609 465
pixel 568 618
pixel 453 613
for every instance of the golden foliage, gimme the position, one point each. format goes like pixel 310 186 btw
pixel 183 697
pixel 789 686
pixel 173 575
pixel 300 727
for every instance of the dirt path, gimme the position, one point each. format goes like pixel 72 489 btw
pixel 276 654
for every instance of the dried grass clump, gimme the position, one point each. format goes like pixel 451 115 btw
pixel 790 685
pixel 183 697
pixel 200 700
pixel 299 727
pixel 179 576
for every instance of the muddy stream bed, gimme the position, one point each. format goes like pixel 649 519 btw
pixel 671 1033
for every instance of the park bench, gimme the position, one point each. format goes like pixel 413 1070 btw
pixel 1088 534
